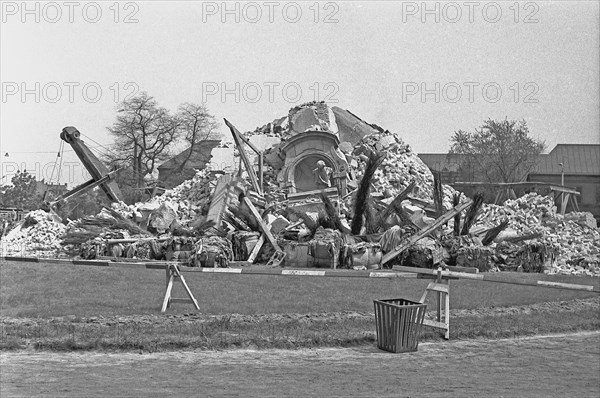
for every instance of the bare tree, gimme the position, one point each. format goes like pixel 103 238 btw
pixel 195 124
pixel 500 151
pixel 144 133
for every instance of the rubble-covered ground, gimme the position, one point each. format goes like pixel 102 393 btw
pixel 567 244
pixel 38 234
pixel 574 236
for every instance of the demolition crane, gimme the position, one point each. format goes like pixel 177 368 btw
pixel 100 174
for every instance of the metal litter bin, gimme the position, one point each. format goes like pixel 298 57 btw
pixel 398 323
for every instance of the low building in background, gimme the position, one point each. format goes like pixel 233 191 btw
pixel 575 166
pixel 448 166
pixel 578 165
pixel 183 166
pixel 53 190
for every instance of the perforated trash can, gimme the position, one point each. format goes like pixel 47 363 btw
pixel 398 323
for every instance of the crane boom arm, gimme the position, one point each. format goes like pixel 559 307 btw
pixel 97 169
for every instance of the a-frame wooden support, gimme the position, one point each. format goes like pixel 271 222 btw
pixel 442 288
pixel 173 272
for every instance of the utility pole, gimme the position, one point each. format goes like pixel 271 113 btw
pixel 562 183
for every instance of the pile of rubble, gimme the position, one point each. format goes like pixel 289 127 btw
pixel 176 225
pixel 400 166
pixel 39 234
pixel 196 191
pixel 314 116
pixel 583 218
pixel 186 202
pixel 572 242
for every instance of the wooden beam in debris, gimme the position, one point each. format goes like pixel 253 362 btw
pixel 133 240
pixel 245 140
pixel 560 188
pixel 294 225
pixel 260 171
pixel 438 194
pixel 259 245
pixel 425 231
pixel 256 249
pixel 261 223
pixel 219 200
pixel 239 140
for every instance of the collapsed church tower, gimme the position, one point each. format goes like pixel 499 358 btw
pixel 322 149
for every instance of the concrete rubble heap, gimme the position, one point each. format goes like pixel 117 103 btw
pixel 574 237
pixel 310 116
pixel 196 191
pixel 38 235
pixel 176 225
pixel 189 200
pixel 400 166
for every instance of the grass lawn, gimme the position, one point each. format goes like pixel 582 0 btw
pixel 51 290
pixel 40 292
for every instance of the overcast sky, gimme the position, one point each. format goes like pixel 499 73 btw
pixel 423 73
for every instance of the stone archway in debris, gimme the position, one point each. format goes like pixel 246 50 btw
pixel 304 151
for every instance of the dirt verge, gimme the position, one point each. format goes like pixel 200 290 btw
pixel 202 331
pixel 542 366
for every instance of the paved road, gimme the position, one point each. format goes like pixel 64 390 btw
pixel 546 366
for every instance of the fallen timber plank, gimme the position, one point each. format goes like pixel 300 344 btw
pixel 91 262
pixel 63 261
pixel 238 138
pixel 434 276
pixel 435 324
pixel 256 249
pixel 425 231
pixel 219 200
pixel 499 278
pixel 125 259
pixel 561 285
pixel 133 240
pixel 129 265
pixel 303 272
pixel 230 270
pixel 151 265
pixel 294 225
pixel 429 271
pixel 56 260
pixel 469 270
pixel 24 259
pixel 556 285
pixel 221 270
pixel 261 223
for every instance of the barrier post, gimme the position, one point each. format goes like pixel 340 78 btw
pixel 441 287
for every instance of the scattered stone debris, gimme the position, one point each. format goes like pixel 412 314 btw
pixel 568 244
pixel 189 200
pixel 400 166
pixel 38 233
pixel 314 165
